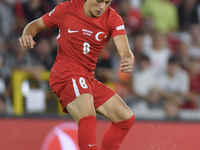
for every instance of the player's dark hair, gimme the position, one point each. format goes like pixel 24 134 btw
pixel 173 59
pixel 144 57
pixel 138 34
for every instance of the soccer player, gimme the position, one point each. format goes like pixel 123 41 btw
pixel 85 26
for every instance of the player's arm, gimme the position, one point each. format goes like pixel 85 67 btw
pixel 31 29
pixel 127 58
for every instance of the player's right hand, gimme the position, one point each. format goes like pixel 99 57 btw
pixel 26 41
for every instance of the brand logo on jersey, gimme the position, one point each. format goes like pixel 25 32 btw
pixel 62 137
pixel 120 28
pixel 91 145
pixel 98 38
pixel 52 11
pixel 70 31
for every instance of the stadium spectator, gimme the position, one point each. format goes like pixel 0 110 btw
pixel 4 73
pixel 2 44
pixel 172 110
pixel 2 105
pixel 136 4
pixel 144 84
pixel 122 84
pixel 6 18
pixel 163 12
pixel 188 13
pixel 148 27
pixel 183 54
pixel 194 90
pixel 17 58
pixel 138 46
pixel 158 53
pixel 34 9
pixel 5 94
pixel 174 83
pixel 176 2
pixel 29 11
pixel 42 55
pixel 104 71
pixel 173 87
pixel 54 3
pixel 132 17
pixel 2 77
pixel 195 43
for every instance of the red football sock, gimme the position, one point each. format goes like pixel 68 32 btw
pixel 116 133
pixel 87 133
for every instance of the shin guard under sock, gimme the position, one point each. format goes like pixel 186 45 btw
pixel 87 133
pixel 116 133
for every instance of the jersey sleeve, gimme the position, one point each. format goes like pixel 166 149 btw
pixel 54 18
pixel 117 26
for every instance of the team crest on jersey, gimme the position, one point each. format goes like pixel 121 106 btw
pixel 100 36
pixel 52 11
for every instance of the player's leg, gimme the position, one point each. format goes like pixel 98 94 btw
pixel 122 120
pixel 83 111
pixel 75 94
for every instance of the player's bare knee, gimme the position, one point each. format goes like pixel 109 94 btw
pixel 85 114
pixel 90 112
pixel 127 114
pixel 77 113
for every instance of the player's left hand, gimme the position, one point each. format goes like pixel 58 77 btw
pixel 126 65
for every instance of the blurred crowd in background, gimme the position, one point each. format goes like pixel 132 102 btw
pixel 164 36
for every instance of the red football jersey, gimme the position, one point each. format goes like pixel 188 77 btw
pixel 81 38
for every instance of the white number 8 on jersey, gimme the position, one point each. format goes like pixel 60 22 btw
pixel 86 47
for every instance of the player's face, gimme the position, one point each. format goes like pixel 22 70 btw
pixel 98 7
